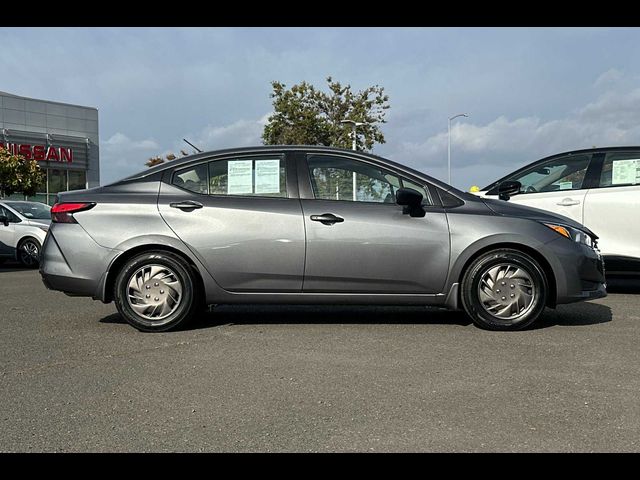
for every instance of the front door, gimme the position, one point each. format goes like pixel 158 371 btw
pixel 236 216
pixel 358 239
pixel 8 233
pixel 557 186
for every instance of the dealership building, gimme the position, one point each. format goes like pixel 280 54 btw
pixel 63 138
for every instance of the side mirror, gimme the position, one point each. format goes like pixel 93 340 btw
pixel 411 200
pixel 4 220
pixel 508 188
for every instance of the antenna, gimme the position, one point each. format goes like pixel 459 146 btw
pixel 199 151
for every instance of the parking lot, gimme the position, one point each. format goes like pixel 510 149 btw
pixel 75 377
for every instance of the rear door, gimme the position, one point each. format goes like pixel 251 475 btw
pixel 240 216
pixel 558 185
pixel 612 208
pixel 358 239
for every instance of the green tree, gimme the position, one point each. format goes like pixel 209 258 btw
pixel 19 175
pixel 304 115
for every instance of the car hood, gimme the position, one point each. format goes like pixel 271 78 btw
pixel 508 209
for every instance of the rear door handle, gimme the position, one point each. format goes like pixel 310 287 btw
pixel 186 205
pixel 327 218
pixel 567 202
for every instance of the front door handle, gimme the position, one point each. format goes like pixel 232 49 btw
pixel 567 202
pixel 186 205
pixel 327 218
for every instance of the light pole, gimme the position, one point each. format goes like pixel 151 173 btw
pixel 449 149
pixel 353 147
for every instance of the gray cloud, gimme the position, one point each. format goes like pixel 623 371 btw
pixel 613 118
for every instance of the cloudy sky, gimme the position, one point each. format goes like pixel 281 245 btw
pixel 530 92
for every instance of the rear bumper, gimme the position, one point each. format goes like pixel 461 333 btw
pixel 72 262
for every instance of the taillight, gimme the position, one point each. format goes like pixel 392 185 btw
pixel 63 212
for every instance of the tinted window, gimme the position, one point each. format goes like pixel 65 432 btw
pixel 57 180
pixel 193 179
pixel 12 217
pixel 564 173
pixel 77 180
pixel 263 177
pixel 33 210
pixel 620 169
pixel 339 178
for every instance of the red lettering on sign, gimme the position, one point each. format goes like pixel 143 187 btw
pixel 66 155
pixel 38 152
pixel 25 151
pixel 52 154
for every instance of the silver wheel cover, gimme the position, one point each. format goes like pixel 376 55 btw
pixel 506 291
pixel 154 292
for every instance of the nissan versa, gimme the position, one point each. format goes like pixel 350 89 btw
pixel 315 225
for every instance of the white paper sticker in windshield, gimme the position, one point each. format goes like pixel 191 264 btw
pixel 625 172
pixel 267 176
pixel 239 177
pixel 565 185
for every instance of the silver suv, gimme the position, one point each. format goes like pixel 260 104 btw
pixel 23 227
pixel 301 224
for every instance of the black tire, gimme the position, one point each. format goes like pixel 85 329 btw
pixel 506 313
pixel 28 252
pixel 181 311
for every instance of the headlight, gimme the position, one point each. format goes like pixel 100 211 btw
pixel 573 234
pixel 43 228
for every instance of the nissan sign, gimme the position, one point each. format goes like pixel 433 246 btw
pixel 40 152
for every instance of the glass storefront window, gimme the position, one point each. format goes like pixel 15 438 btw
pixel 39 197
pixel 77 180
pixel 57 181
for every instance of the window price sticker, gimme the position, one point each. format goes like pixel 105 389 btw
pixel 240 177
pixel 625 172
pixel 267 176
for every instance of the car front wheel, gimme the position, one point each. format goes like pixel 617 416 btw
pixel 504 289
pixel 156 291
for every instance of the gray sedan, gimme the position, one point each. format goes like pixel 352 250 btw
pixel 299 224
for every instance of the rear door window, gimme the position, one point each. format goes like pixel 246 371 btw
pixel 242 176
pixel 620 169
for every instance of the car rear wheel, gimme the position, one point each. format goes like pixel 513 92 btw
pixel 29 252
pixel 156 291
pixel 504 289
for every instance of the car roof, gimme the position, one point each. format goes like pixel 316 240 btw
pixel 284 148
pixel 562 154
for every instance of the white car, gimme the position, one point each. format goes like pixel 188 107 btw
pixel 599 188
pixel 23 227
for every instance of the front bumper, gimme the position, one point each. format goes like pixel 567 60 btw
pixel 580 274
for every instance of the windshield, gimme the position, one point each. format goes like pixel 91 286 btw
pixel 32 210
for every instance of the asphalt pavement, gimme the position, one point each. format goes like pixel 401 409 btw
pixel 75 377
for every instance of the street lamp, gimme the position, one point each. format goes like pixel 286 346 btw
pixel 449 149
pixel 353 147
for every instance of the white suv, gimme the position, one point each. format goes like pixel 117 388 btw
pixel 599 188
pixel 23 227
